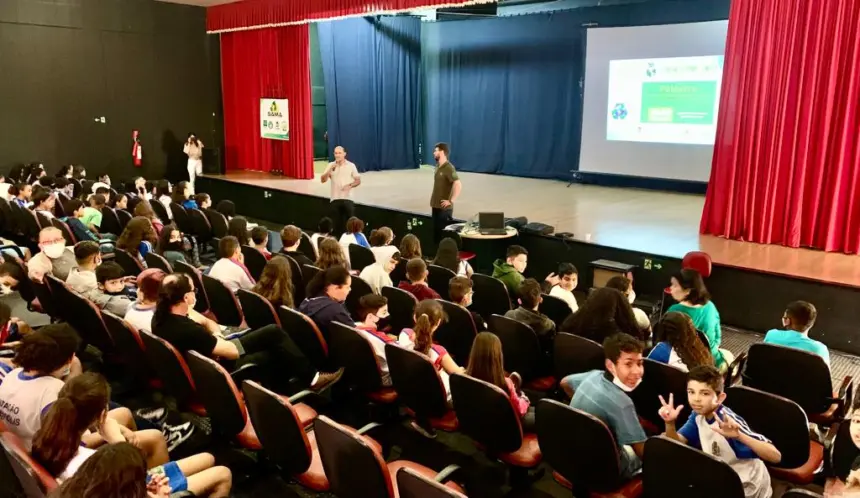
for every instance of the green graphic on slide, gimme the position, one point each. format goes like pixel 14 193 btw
pixel 679 102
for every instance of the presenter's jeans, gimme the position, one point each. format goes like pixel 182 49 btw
pixel 343 210
pixel 442 217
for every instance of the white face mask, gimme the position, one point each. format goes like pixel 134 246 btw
pixel 624 387
pixel 54 251
pixel 632 296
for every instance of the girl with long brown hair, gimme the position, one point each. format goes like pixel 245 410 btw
pixel 144 209
pixel 606 312
pixel 138 238
pixel 410 247
pixel 331 254
pixel 679 344
pixel 114 470
pixel 276 283
pixel 82 404
pixel 486 363
pixel 428 317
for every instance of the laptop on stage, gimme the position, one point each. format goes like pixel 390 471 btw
pixel 491 224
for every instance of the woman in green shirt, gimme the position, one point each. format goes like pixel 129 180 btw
pixel 694 300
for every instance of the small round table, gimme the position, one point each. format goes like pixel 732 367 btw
pixel 485 252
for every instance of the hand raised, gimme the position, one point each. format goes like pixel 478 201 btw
pixel 553 279
pixel 668 411
pixel 727 426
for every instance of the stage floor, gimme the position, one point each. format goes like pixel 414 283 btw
pixel 658 223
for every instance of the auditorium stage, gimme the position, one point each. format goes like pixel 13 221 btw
pixel 650 222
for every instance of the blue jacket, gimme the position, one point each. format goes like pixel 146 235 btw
pixel 323 310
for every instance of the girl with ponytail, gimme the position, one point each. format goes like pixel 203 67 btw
pixel 428 317
pixel 81 407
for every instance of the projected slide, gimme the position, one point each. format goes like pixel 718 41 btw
pixel 664 100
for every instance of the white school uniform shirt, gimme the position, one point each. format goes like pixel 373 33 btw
pixel 23 400
pixel 231 274
pixel 566 296
pixel 377 342
pixel 342 176
pixel 140 318
pixel 75 463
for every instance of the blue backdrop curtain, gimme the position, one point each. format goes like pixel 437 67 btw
pixel 371 68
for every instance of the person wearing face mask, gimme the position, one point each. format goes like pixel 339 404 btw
pixel 101 283
pixel 625 285
pixel 460 292
pixel 527 313
pixel 171 245
pixel 54 258
pixel 326 294
pixel 270 348
pixel 603 394
pixel 377 275
pixel 373 311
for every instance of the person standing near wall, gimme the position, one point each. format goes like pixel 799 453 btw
pixel 194 150
pixel 446 189
pixel 344 177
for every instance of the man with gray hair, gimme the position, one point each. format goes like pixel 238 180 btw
pixel 344 177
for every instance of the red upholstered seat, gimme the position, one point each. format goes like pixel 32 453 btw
pixel 467 255
pixel 542 383
pixel 396 465
pixel 315 478
pixel 630 489
pixel 649 427
pixel 197 409
pixel 806 472
pixel 447 422
pixel 528 455
pixel 827 417
pixel 384 395
pixel 248 437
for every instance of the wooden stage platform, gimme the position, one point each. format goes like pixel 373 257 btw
pixel 658 223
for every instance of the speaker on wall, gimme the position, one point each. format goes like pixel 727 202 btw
pixel 213 163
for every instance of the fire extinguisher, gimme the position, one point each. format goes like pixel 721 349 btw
pixel 136 148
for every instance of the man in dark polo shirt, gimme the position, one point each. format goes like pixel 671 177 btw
pixel 446 189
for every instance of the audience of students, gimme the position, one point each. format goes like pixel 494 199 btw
pixel 260 240
pixel 54 257
pixel 679 344
pixel 331 254
pixel 22 193
pixel 373 309
pixel 486 363
pixel 138 238
pixel 720 432
pixel 510 271
pixel 291 237
pixel 528 313
pixel 171 245
pixel 428 317
pixel 162 195
pixel 74 209
pixel 238 227
pixel 203 201
pixel 326 294
pixel 227 208
pixel 798 319
pixel 181 195
pixel 230 269
pixel 140 313
pixel 378 274
pixel 416 283
pixel 460 292
pixel 625 286
pixel 92 217
pixel 688 289
pixel 606 312
pixel 43 203
pixel 144 209
pixel 410 247
pixel 448 256
pixel 380 243
pixel 603 394
pixel 354 234
pixel 276 283
pixel 101 283
pixel 324 231
pixel 568 279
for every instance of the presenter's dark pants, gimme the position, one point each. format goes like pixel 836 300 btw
pixel 277 355
pixel 442 217
pixel 343 210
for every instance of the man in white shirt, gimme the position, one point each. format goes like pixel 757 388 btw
pixel 231 269
pixel 344 177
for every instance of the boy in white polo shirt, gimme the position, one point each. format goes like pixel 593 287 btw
pixel 721 433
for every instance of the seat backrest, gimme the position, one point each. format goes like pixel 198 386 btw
pixel 411 484
pixel 438 279
pixel 778 419
pixel 110 221
pixel 349 349
pixel 491 296
pixel 306 335
pixel 660 379
pixel 353 468
pixel 296 274
pixel 62 296
pixel 50 304
pixel 67 232
pixel 131 266
pixel 170 367
pixel 360 256
pixel 218 222
pixel 218 394
pixel 181 218
pixel 457 333
pixel 258 311
pixel 308 274
pixel 486 414
pixel 15 486
pixel 33 478
pixel 203 304
pixel 520 346
pixel 699 261
pixel 160 211
pixel 31 223
pixel 223 303
pixel 401 308
pixel 123 216
pixel 800 376
pixel 278 428
pixel 416 381
pixel 85 317
pixel 307 247
pixel 579 446
pixel 801 493
pixel 254 261
pixel 398 274
pixel 675 469
pixel 555 308
pixel 155 260
pixel 359 289
pixel 128 344
pixel 574 354
pixel 200 225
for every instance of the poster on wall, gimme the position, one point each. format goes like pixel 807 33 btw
pixel 274 119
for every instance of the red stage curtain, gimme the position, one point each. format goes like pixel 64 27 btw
pixel 267 63
pixel 786 161
pixel 256 14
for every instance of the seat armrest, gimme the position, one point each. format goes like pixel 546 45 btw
pixel 844 397
pixel 14 248
pixel 735 370
pixel 446 474
pixel 367 428
pixel 830 436
pixel 295 398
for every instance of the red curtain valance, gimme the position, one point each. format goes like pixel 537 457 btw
pixel 257 14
